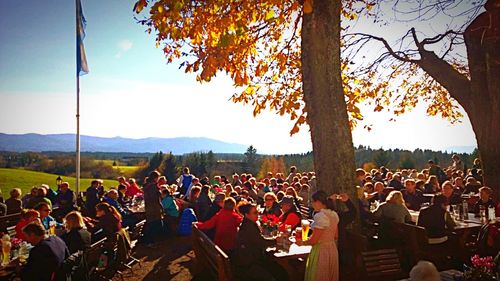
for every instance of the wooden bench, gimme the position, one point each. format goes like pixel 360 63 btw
pixel 382 265
pixel 210 257
pixel 8 221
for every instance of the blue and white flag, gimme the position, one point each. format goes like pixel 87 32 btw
pixel 82 67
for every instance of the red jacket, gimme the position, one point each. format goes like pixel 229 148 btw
pixel 132 190
pixel 226 225
pixel 292 220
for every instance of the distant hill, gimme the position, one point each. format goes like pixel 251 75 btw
pixel 66 143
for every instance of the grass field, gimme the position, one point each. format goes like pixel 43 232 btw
pixel 25 180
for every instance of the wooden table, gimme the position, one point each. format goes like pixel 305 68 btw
pixel 284 258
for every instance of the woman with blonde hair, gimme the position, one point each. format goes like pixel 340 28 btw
pixel 393 209
pixel 77 238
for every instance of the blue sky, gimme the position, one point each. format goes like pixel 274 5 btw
pixel 131 92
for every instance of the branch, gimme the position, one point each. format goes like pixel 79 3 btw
pixel 386 45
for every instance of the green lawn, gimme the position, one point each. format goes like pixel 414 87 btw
pixel 25 180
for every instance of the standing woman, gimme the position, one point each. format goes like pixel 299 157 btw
pixel 323 261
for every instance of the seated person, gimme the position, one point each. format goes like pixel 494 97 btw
pixel 435 219
pixel 41 196
pixel 271 206
pixel 109 220
pixel 46 257
pixel 472 186
pixel 65 199
pixel 77 238
pixel 291 215
pixel 26 198
pixel 92 196
pixel 44 209
pixel 424 270
pixel 14 203
pixel 432 185
pixel 378 194
pixel 249 258
pixel 27 216
pixel 485 200
pixel 217 205
pixel 412 196
pixel 127 217
pixel 393 209
pixel 168 203
pixel 122 197
pixel 452 195
pixel 226 223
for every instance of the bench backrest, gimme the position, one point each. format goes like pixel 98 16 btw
pixel 8 221
pixel 384 264
pixel 210 256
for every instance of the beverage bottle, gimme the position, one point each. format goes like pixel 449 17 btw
pixel 466 209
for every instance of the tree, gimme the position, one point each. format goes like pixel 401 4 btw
pixel 169 167
pixel 435 70
pixel 251 160
pixel 291 70
pixel 381 158
pixel 271 164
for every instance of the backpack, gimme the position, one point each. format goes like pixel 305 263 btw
pixel 186 221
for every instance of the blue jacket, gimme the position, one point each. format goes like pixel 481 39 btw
pixel 186 221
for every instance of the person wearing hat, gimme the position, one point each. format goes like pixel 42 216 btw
pixel 291 215
pixel 92 197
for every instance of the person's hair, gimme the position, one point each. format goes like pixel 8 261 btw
pixel 369 186
pixel 438 199
pixel 205 189
pixel 112 190
pixel 322 197
pixel 15 193
pixel 446 183
pixel 219 197
pixel 424 271
pixel 40 205
pixel 28 213
pixel 34 228
pixel 108 210
pixel 293 191
pixel 271 194
pixel 430 162
pixel 74 220
pixel 162 178
pixel 280 195
pixel 244 192
pixel 229 203
pixel 165 192
pixel 419 184
pixel 410 181
pixel 395 197
pixel 185 170
pixel 432 179
pixel 122 187
pixel 486 189
pixel 360 172
pixel 195 191
pixel 245 207
pixel 293 168
pixel 154 175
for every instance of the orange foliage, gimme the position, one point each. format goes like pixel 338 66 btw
pixel 257 44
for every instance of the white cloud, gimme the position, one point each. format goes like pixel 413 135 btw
pixel 124 46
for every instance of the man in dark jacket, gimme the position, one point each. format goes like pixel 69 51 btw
pixel 250 258
pixel 92 197
pixel 46 257
pixel 435 219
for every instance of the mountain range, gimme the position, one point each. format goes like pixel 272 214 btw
pixel 66 143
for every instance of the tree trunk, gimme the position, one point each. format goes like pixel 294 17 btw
pixel 324 97
pixel 479 95
pixel 482 38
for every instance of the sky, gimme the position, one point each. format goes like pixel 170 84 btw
pixel 131 91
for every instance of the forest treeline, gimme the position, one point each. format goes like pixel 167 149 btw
pixel 106 165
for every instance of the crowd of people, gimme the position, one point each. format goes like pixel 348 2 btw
pixel 434 192
pixel 229 211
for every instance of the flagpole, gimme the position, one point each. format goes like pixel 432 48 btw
pixel 77 187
